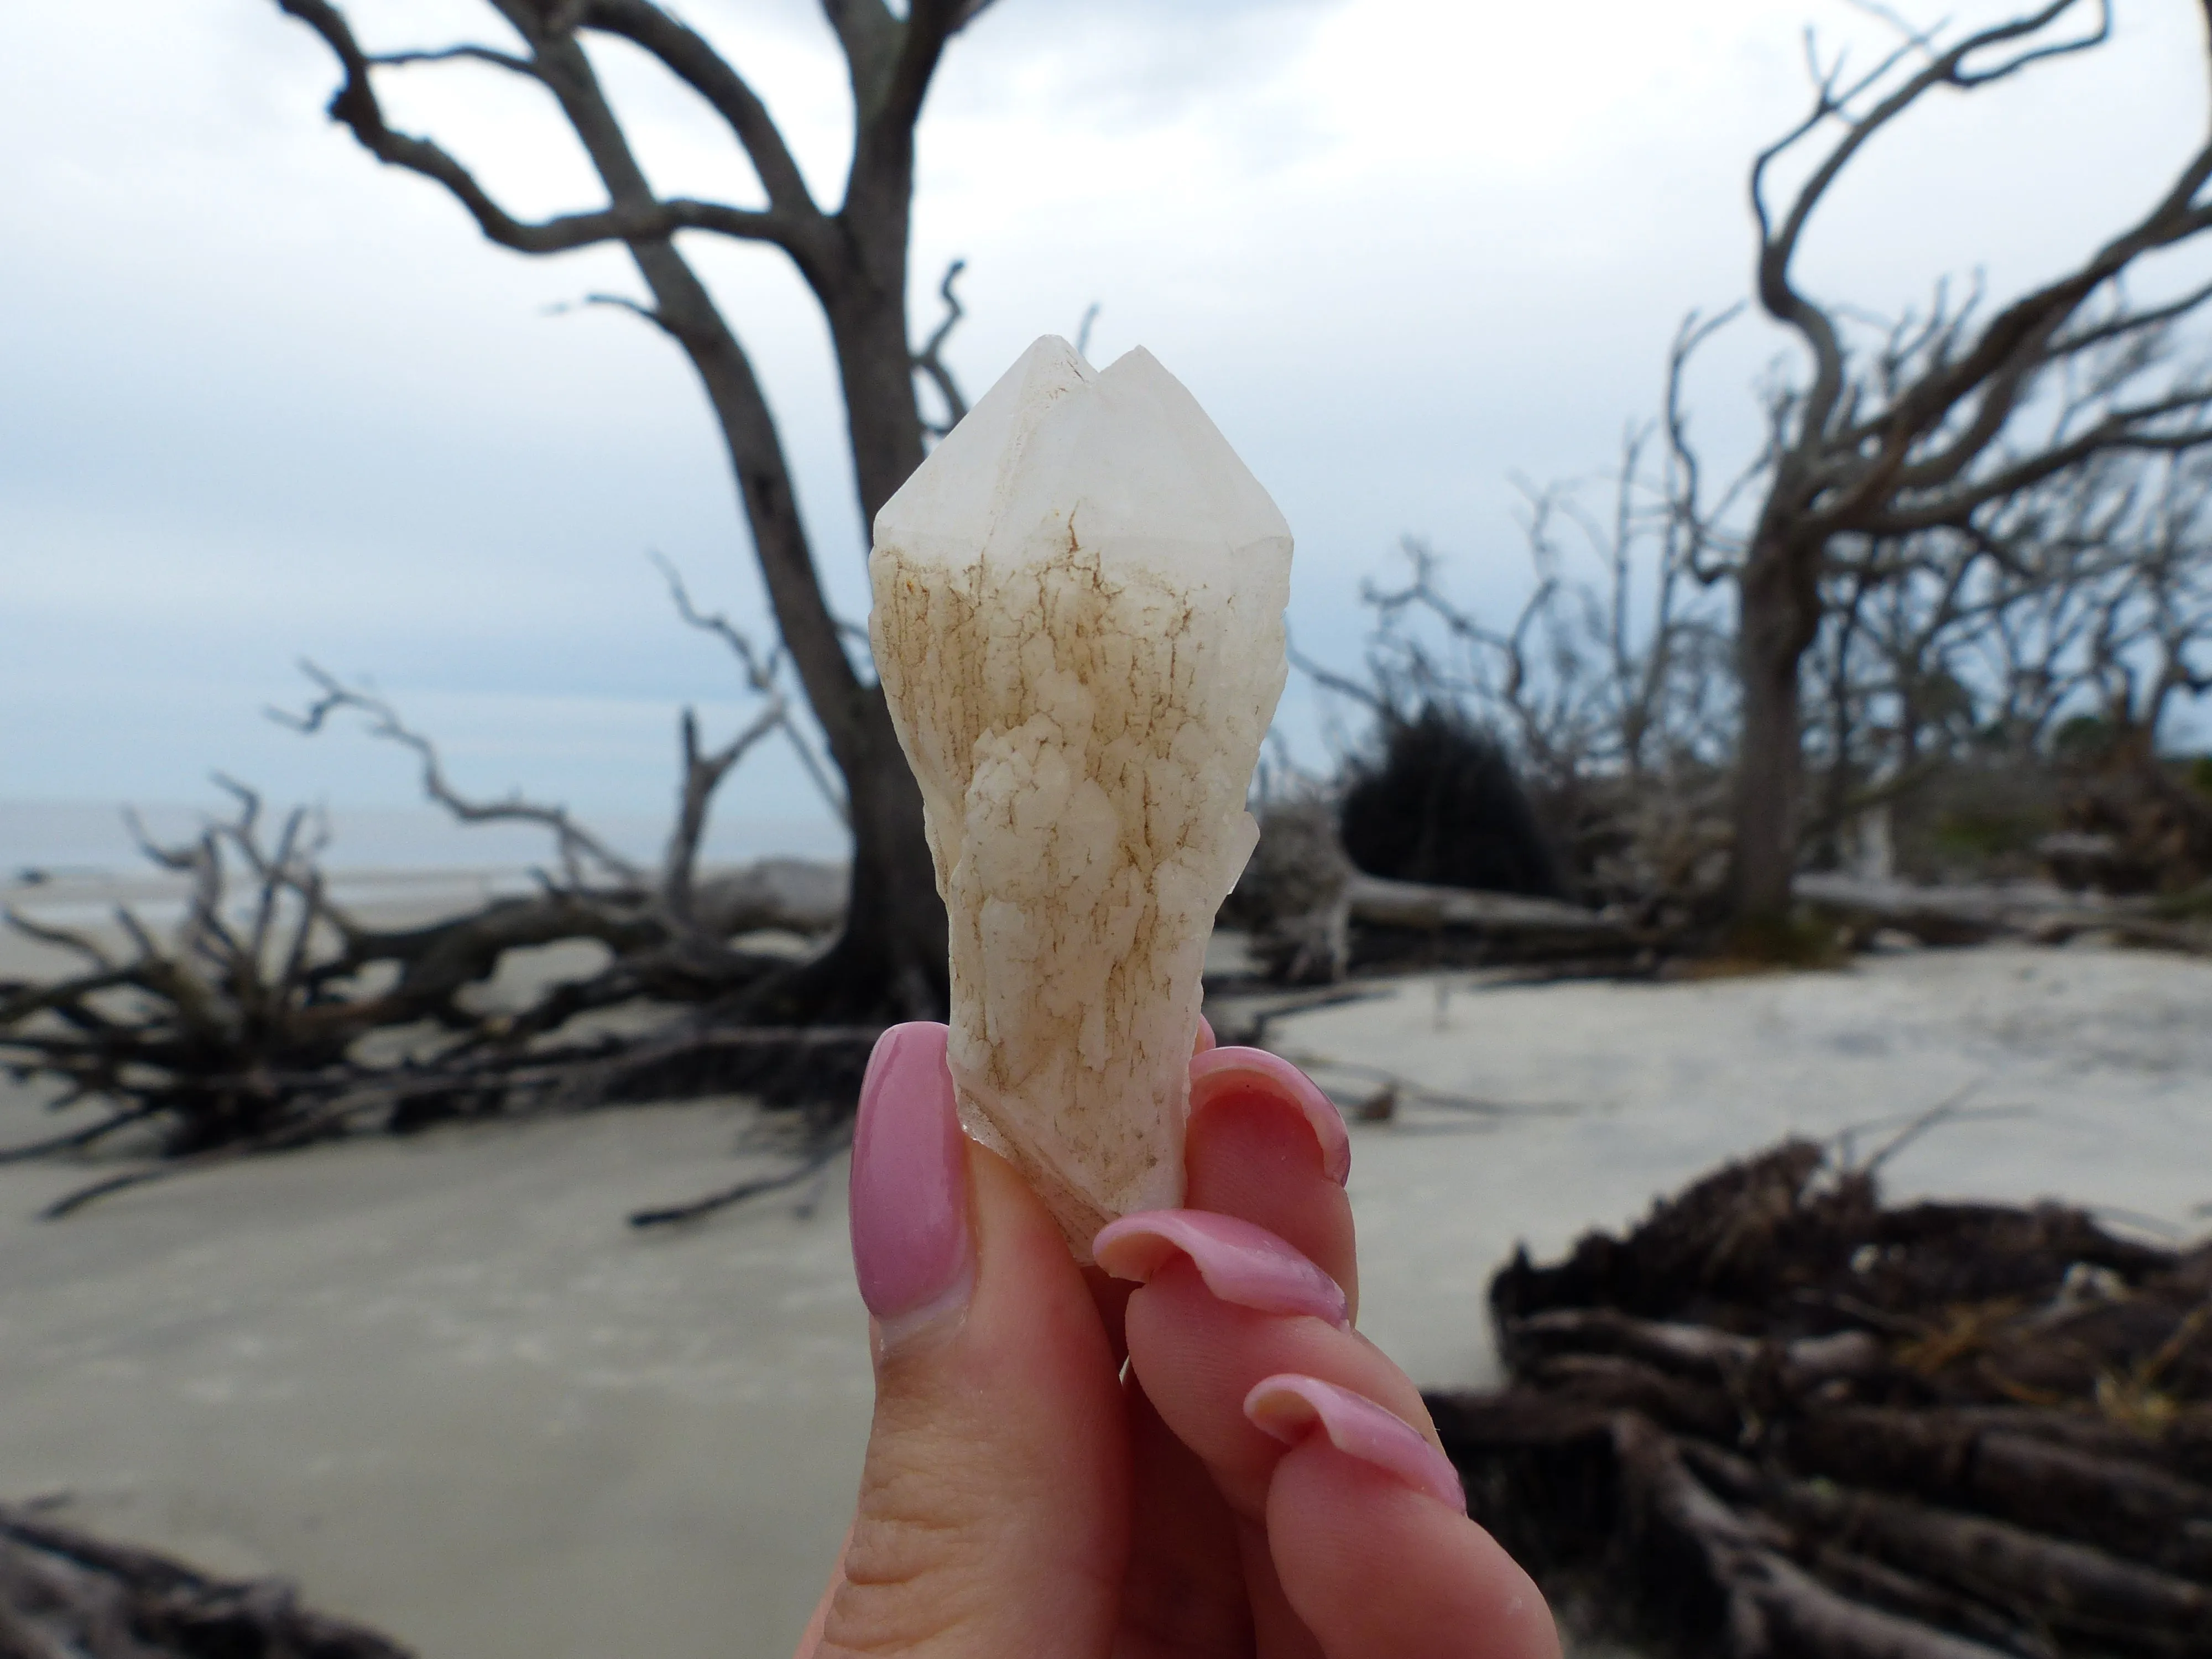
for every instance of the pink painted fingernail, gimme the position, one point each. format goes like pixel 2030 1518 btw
pixel 910 1246
pixel 1220 1074
pixel 1239 1262
pixel 1291 1406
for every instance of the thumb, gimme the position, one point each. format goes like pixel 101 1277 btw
pixel 993 1502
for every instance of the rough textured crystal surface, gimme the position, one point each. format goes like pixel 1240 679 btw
pixel 1078 620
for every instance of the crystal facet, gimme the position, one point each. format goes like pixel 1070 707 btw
pixel 1079 622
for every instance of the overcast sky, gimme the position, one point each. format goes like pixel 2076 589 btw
pixel 261 398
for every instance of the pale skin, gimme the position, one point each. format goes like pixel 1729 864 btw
pixel 1025 1494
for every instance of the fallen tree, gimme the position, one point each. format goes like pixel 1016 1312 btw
pixel 2038 914
pixel 1783 1418
pixel 1312 917
pixel 271 1015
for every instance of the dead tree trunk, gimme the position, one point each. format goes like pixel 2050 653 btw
pixel 1777 615
pixel 891 954
pixel 891 958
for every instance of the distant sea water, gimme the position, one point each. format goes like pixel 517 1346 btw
pixel 84 838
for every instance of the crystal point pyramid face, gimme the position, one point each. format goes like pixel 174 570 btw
pixel 1079 623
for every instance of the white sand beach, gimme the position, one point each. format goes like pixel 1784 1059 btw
pixel 439 1384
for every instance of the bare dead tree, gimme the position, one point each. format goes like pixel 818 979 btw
pixel 247 1028
pixel 2089 593
pixel 1608 666
pixel 2149 641
pixel 1609 691
pixel 891 957
pixel 2069 622
pixel 1930 424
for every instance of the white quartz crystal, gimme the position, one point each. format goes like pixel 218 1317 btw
pixel 1078 620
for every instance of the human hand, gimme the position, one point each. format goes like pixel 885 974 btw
pixel 1260 1479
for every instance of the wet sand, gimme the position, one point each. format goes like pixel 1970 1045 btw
pixel 442 1386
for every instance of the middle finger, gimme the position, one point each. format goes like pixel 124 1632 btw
pixel 1218 1310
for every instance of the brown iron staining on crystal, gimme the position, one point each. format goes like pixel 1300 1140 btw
pixel 1079 623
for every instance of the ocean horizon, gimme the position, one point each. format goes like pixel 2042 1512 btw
pixel 46 838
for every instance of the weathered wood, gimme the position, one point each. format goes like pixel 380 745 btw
pixel 66 1595
pixel 2127 1502
pixel 2069 1585
pixel 1773 1607
pixel 1382 903
pixel 1701 1351
pixel 1977 915
pixel 1784 1419
pixel 226 1041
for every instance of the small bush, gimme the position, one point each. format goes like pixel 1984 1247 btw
pixel 1436 801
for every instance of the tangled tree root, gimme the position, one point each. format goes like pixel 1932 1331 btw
pixel 65 1596
pixel 1782 1419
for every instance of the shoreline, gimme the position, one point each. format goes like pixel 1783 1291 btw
pixel 439 1383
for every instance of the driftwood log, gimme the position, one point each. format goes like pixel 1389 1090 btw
pixel 1780 1418
pixel 269 1017
pixel 65 1594
pixel 1404 921
pixel 2029 914
pixel 1313 917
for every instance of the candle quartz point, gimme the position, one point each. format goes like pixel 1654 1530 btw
pixel 1078 624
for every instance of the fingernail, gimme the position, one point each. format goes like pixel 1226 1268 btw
pixel 1239 1262
pixel 1205 1039
pixel 1220 1074
pixel 1291 1406
pixel 910 1246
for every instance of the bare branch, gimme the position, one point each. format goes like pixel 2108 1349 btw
pixel 1694 527
pixel 1367 696
pixel 930 359
pixel 687 55
pixel 2129 428
pixel 75 1140
pixel 754 1187
pixel 637 308
pixel 574 844
pixel 761 675
pixel 760 671
pixel 1777 288
pixel 356 106
pixel 871 37
pixel 462 54
pixel 140 938
pixel 702 774
pixel 61 939
pixel 2125 321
